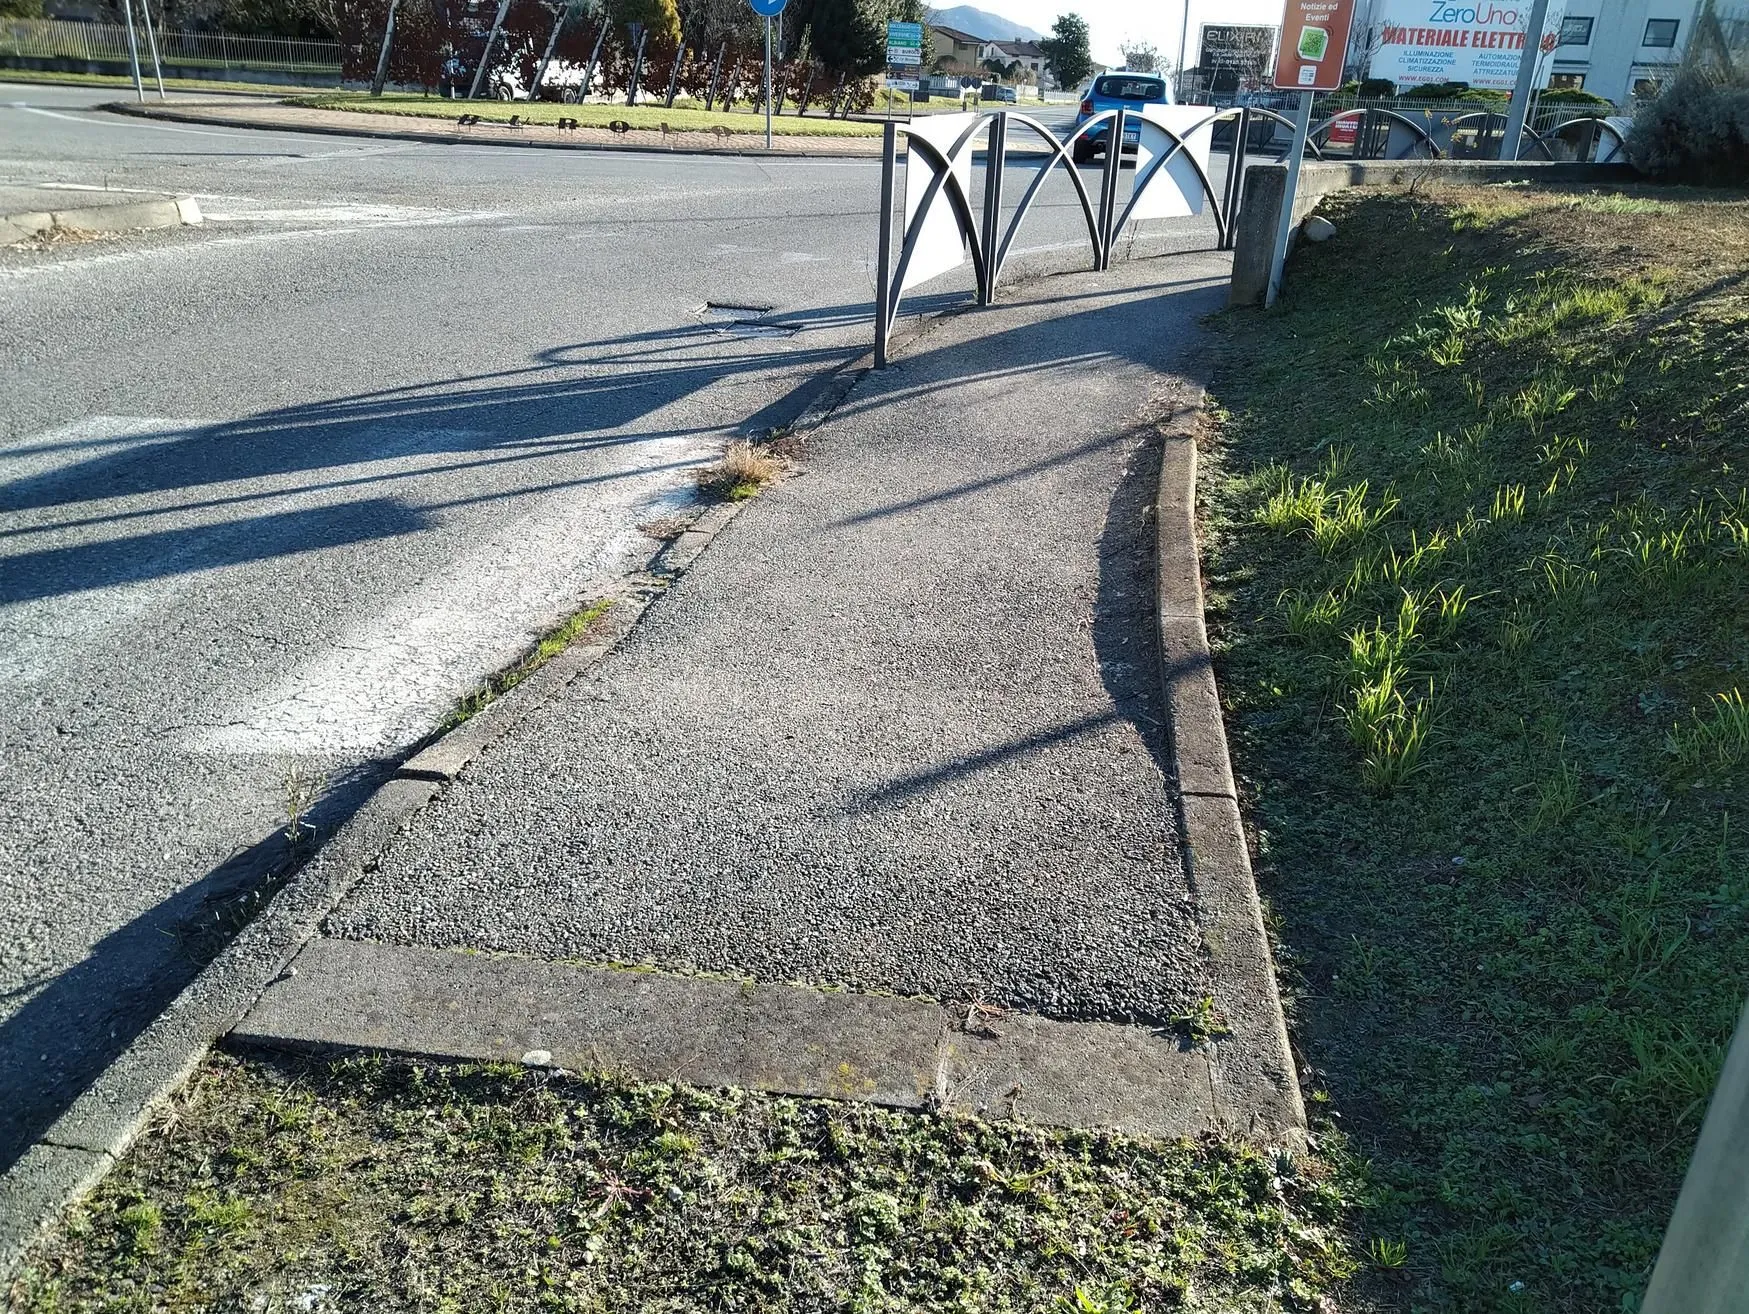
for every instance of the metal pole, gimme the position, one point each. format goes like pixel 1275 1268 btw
pixel 710 100
pixel 486 55
pixel 995 153
pixel 884 259
pixel 1703 1265
pixel 674 77
pixel 547 57
pixel 1235 177
pixel 1108 189
pixel 152 44
pixel 589 68
pixel 376 83
pixel 768 84
pixel 1527 62
pixel 1183 41
pixel 638 65
pixel 133 48
pixel 1284 229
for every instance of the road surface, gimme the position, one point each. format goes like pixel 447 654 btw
pixel 276 492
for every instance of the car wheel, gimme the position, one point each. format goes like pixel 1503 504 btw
pixel 504 92
pixel 1082 151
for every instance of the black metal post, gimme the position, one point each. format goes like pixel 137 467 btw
pixel 710 99
pixel 637 65
pixel 546 58
pixel 486 55
pixel 1235 187
pixel 884 259
pixel 995 162
pixel 674 77
pixel 594 55
pixel 1108 188
pixel 376 84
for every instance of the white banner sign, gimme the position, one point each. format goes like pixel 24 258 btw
pixel 940 246
pixel 1179 193
pixel 1474 41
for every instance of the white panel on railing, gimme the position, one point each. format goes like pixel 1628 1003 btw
pixel 1177 192
pixel 941 245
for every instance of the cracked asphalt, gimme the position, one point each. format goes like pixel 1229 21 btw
pixel 276 491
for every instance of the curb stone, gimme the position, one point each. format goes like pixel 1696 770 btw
pixel 460 137
pixel 81 1146
pixel 1255 1061
pixel 158 212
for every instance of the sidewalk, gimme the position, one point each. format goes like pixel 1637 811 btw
pixel 407 127
pixel 898 732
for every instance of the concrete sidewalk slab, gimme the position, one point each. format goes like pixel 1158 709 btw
pixel 28 210
pixel 900 729
pixel 722 1032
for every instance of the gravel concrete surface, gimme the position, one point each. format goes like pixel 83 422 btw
pixel 900 727
pixel 276 491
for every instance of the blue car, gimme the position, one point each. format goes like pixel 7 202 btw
pixel 1112 91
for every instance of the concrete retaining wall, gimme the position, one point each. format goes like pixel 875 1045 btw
pixel 1265 184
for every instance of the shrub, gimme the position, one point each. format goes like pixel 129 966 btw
pixel 1696 131
pixel 1573 96
pixel 1377 89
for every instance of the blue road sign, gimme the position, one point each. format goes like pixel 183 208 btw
pixel 768 8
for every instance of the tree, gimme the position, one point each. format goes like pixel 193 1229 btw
pixel 847 36
pixel 659 18
pixel 1141 57
pixel 1068 51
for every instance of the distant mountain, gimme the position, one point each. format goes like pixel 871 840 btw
pixel 982 23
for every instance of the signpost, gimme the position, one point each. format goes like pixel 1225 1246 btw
pixel 904 59
pixel 768 10
pixel 1309 59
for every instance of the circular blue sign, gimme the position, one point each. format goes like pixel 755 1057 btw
pixel 768 8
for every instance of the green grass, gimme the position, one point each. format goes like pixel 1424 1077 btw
pixel 649 117
pixel 151 84
pixel 547 647
pixel 373 1185
pixel 1478 537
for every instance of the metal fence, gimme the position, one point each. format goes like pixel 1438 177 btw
pixel 107 43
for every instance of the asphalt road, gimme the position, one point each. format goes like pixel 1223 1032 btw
pixel 275 492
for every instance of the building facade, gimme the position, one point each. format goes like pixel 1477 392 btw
pixel 1622 50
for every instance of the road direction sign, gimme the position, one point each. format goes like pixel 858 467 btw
pixel 901 84
pixel 768 8
pixel 905 43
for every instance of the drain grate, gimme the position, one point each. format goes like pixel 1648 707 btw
pixel 744 321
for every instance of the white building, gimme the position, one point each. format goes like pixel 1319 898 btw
pixel 1621 49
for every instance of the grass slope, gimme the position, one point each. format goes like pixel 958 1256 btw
pixel 287 1184
pixel 1479 546
pixel 648 117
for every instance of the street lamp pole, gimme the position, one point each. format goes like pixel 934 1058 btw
pixel 768 81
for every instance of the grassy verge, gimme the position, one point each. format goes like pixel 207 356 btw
pixel 547 647
pixel 1478 527
pixel 298 1184
pixel 126 80
pixel 648 117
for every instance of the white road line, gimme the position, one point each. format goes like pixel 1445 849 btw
pixel 232 134
pixel 393 674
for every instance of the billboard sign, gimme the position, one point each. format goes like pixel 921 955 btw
pixel 1235 54
pixel 1475 41
pixel 1313 45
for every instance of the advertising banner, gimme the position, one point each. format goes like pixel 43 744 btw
pixel 1474 41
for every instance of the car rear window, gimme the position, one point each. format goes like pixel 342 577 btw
pixel 1130 88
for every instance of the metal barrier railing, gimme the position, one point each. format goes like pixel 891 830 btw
pixel 107 43
pixel 989 242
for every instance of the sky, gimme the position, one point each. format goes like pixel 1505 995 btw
pixel 1114 22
